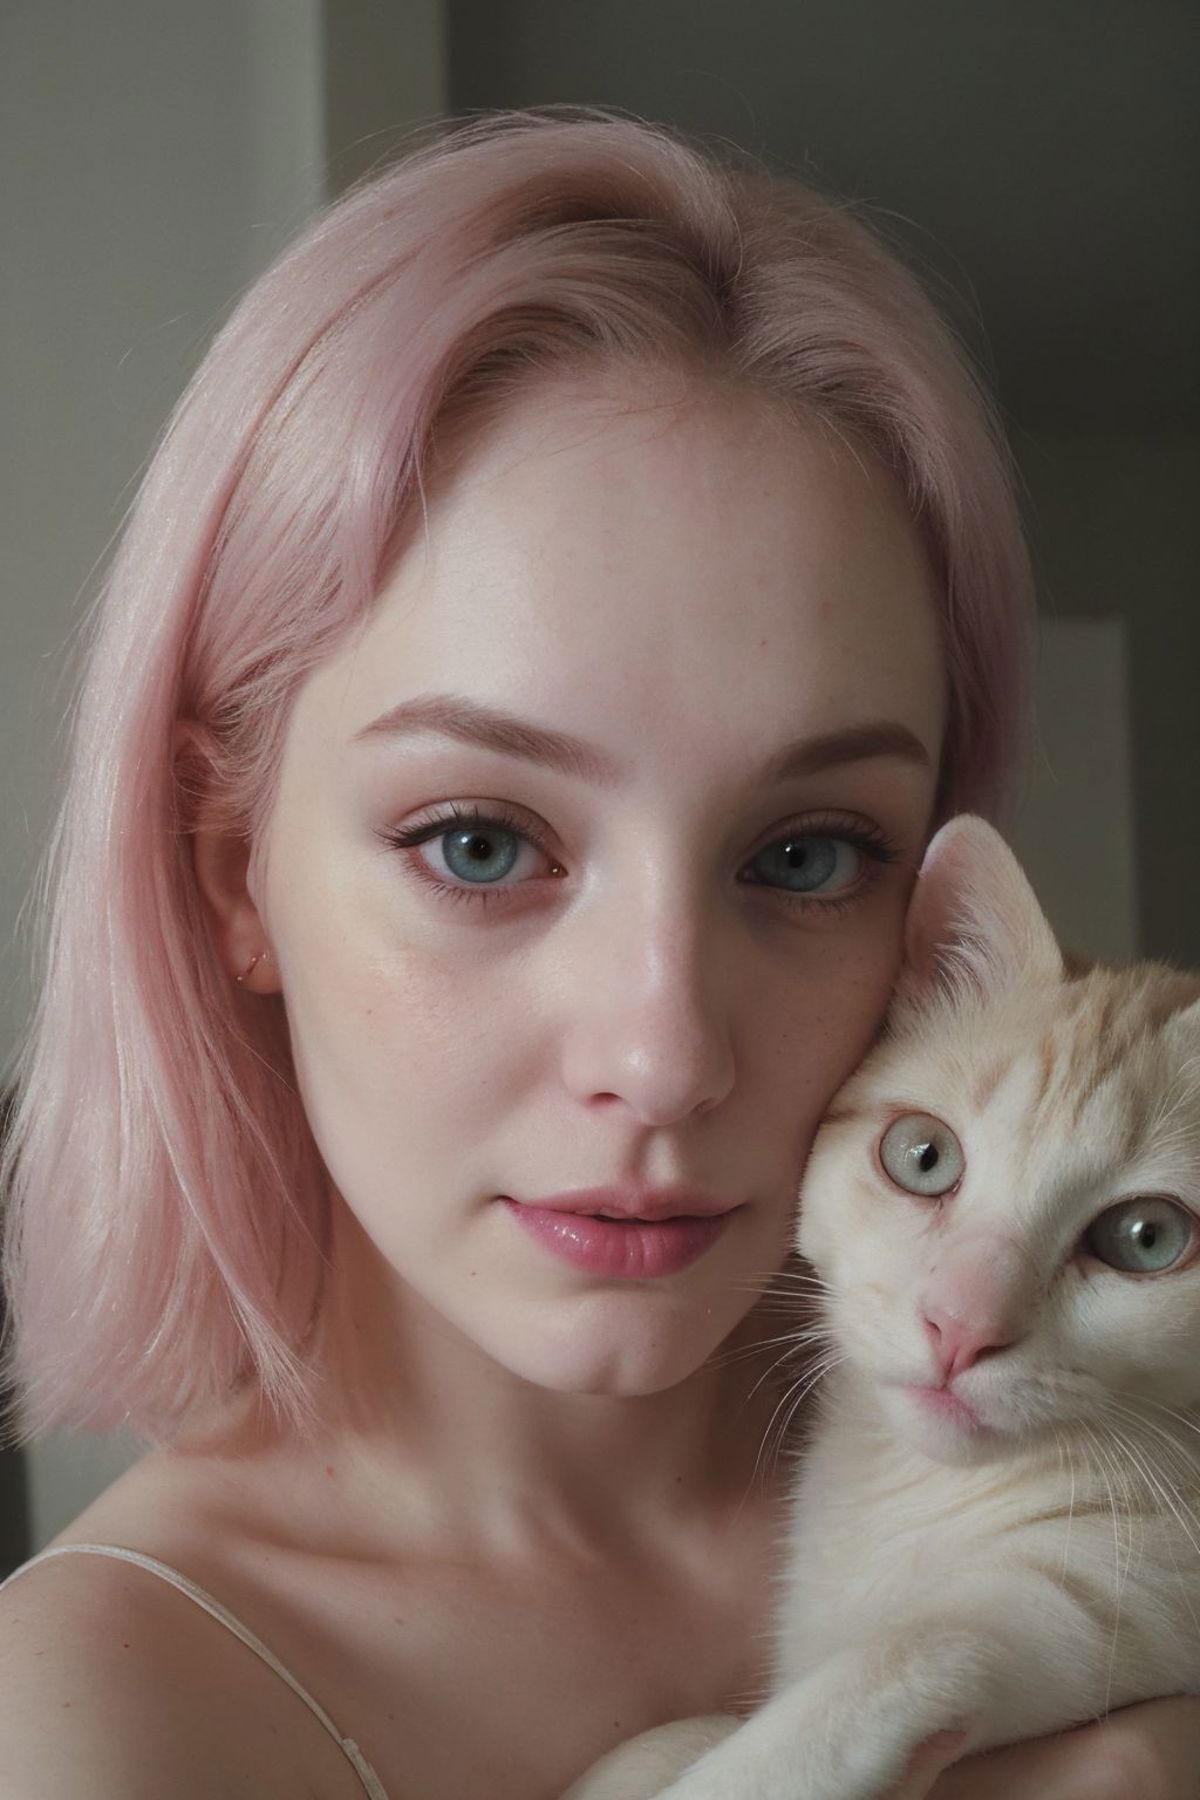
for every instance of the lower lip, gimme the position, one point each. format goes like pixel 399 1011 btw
pixel 629 1249
pixel 942 1404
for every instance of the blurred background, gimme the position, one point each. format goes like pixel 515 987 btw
pixel 1035 160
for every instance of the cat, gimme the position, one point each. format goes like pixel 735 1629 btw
pixel 993 1527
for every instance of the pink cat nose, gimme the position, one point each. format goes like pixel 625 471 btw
pixel 957 1344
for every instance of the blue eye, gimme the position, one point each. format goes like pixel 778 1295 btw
pixel 1142 1237
pixel 480 853
pixel 810 863
pixel 922 1155
pixel 491 854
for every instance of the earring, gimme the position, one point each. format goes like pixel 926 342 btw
pixel 262 956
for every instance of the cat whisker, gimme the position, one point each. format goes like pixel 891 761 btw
pixel 770 1372
pixel 1170 1494
pixel 1170 1497
pixel 1104 1466
pixel 1120 1573
pixel 807 1274
pixel 801 1286
pixel 1171 1412
pixel 788 1306
pixel 763 1377
pixel 1140 1454
pixel 796 1342
pixel 1185 1452
pixel 1173 1495
pixel 797 1394
pixel 1070 1466
pixel 781 1279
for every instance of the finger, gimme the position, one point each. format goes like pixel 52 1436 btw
pixel 1053 1768
pixel 1149 1749
pixel 930 1758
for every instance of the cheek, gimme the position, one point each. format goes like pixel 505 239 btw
pixel 376 1003
pixel 395 1048
pixel 826 1024
pixel 393 1054
pixel 829 1011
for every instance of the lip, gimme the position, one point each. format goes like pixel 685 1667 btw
pixel 645 1235
pixel 943 1403
pixel 628 1201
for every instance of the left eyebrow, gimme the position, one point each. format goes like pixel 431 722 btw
pixel 473 722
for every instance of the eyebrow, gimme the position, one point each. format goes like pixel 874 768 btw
pixel 473 722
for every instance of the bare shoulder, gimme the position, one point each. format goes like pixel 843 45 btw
pixel 106 1669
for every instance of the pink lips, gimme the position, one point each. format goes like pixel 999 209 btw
pixel 632 1234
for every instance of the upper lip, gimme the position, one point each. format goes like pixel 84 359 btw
pixel 629 1201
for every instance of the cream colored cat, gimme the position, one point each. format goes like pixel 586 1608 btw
pixel 996 1521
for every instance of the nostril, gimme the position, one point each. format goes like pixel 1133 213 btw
pixel 957 1345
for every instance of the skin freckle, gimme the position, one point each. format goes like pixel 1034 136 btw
pixel 610 555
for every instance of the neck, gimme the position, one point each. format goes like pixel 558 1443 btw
pixel 429 1439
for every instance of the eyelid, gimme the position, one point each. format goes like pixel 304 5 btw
pixel 409 839
pixel 864 835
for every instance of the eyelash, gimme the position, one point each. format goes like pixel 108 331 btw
pixel 868 839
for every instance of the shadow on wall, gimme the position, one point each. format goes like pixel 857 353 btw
pixel 14 1491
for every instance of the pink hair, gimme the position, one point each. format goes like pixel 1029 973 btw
pixel 167 1208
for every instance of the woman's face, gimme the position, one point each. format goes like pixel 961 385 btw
pixel 676 663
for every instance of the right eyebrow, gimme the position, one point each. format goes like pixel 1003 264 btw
pixel 473 722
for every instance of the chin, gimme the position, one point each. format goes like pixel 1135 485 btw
pixel 600 1351
pixel 621 1373
pixel 942 1434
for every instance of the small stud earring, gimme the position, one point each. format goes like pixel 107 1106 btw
pixel 262 956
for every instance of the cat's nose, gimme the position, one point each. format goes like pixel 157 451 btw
pixel 957 1343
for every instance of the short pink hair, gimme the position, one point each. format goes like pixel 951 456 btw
pixel 168 1211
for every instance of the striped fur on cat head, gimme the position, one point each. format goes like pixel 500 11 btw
pixel 1003 1203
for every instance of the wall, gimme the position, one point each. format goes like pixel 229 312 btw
pixel 158 154
pixel 385 71
pixel 165 151
pixel 1117 527
pixel 1038 165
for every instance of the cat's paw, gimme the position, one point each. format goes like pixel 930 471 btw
pixel 647 1765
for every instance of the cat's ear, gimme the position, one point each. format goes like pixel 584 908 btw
pixel 974 921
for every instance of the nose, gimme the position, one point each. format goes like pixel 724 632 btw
pixel 977 1298
pixel 651 1024
pixel 957 1344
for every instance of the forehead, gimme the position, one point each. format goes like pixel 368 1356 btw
pixel 683 553
pixel 1095 1073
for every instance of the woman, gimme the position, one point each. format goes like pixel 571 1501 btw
pixel 570 592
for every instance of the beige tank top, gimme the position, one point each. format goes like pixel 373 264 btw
pixel 370 1781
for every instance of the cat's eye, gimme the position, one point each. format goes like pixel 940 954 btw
pixel 1143 1236
pixel 922 1155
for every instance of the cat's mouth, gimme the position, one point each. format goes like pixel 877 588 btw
pixel 943 1425
pixel 943 1403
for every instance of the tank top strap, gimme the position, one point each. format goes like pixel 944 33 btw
pixel 362 1768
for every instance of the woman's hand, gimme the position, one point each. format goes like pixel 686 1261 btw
pixel 1150 1751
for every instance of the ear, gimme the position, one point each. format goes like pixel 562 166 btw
pixel 974 921
pixel 221 861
